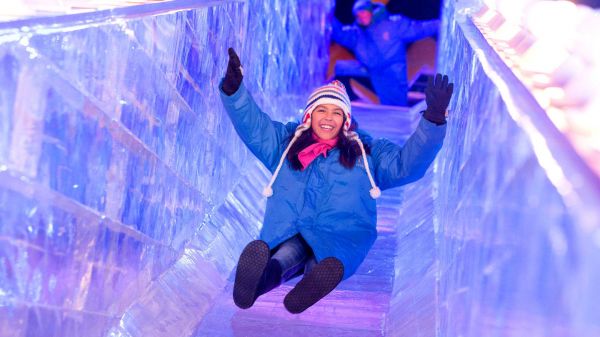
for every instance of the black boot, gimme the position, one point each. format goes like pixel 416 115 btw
pixel 249 273
pixel 315 285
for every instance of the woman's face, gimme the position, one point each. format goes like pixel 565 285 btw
pixel 364 17
pixel 327 121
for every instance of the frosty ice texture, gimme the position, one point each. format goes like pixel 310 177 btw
pixel 517 227
pixel 117 161
pixel 126 197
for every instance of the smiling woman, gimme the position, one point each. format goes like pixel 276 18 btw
pixel 320 220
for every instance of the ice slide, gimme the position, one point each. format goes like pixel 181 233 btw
pixel 126 197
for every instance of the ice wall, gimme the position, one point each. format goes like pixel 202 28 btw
pixel 122 183
pixel 517 227
pixel 125 196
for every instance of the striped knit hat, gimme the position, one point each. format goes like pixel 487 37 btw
pixel 331 93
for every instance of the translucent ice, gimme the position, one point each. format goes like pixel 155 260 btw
pixel 516 219
pixel 118 163
pixel 126 196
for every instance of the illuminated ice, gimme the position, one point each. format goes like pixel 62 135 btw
pixel 126 197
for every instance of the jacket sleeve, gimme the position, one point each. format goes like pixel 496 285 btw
pixel 395 166
pixel 412 30
pixel 347 36
pixel 263 137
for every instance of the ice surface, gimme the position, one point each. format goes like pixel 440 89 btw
pixel 516 221
pixel 117 162
pixel 126 197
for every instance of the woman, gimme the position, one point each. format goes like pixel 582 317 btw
pixel 321 217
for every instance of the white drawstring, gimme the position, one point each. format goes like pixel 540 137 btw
pixel 268 191
pixel 375 192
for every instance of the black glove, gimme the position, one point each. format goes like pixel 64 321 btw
pixel 437 96
pixel 233 77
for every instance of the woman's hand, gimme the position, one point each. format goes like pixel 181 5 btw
pixel 233 76
pixel 437 96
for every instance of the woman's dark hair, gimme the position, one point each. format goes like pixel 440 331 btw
pixel 349 149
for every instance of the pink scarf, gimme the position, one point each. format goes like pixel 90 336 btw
pixel 312 151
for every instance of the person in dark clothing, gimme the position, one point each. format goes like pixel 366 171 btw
pixel 379 40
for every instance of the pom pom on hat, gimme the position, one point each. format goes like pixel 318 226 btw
pixel 375 192
pixel 268 191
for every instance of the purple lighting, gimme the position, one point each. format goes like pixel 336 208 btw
pixel 126 196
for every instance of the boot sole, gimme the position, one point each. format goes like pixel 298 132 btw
pixel 250 268
pixel 319 282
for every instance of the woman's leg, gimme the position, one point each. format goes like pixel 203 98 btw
pixel 287 261
pixel 258 274
pixel 292 256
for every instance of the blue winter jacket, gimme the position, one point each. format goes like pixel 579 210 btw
pixel 329 205
pixel 381 48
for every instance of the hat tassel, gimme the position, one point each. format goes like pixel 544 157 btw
pixel 375 192
pixel 268 190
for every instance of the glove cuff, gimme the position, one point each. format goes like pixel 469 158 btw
pixel 229 86
pixel 438 119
